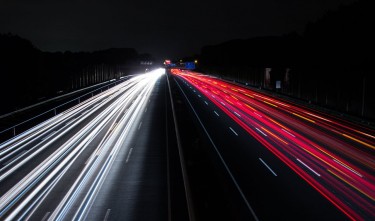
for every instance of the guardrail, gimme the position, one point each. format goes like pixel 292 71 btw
pixel 12 130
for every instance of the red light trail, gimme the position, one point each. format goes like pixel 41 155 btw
pixel 334 156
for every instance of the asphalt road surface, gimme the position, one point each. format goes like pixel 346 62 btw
pixel 242 155
pixel 104 159
pixel 287 162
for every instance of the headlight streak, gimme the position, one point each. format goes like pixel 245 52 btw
pixel 9 148
pixel 91 167
pixel 86 204
pixel 30 180
pixel 29 192
pixel 46 127
pixel 310 152
pixel 67 129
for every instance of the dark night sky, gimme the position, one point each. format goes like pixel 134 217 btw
pixel 164 28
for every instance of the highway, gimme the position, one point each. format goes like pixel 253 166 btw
pixel 245 155
pixel 287 162
pixel 96 161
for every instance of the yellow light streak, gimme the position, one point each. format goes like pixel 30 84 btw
pixel 359 141
pixel 270 103
pixel 338 176
pixel 303 117
pixel 274 135
pixel 250 107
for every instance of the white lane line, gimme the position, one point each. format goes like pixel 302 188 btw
pixel 145 109
pixel 308 167
pixel 107 215
pixel 342 164
pixel 140 124
pixel 217 114
pixel 261 132
pixel 222 103
pixel 269 168
pixel 50 135
pixel 70 122
pixel 84 113
pixel 194 91
pixel 237 114
pixel 288 132
pixel 46 216
pixel 14 158
pixel 233 131
pixel 199 95
pixel 257 114
pixel 130 152
pixel 221 158
pixel 88 160
pixel 206 102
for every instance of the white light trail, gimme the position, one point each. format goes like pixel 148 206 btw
pixel 124 103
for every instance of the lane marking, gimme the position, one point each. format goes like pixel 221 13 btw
pixel 217 114
pixel 14 158
pixel 233 131
pixel 145 109
pixel 48 136
pixel 269 168
pixel 222 103
pixel 288 132
pixel 107 215
pixel 130 152
pixel 206 102
pixel 261 131
pixel 88 159
pixel 237 114
pixel 70 122
pixel 46 216
pixel 221 158
pixel 308 167
pixel 199 95
pixel 140 124
pixel 347 167
pixel 257 114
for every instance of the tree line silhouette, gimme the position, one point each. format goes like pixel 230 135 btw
pixel 29 75
pixel 329 64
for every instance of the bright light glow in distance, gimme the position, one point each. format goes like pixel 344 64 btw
pixel 112 114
